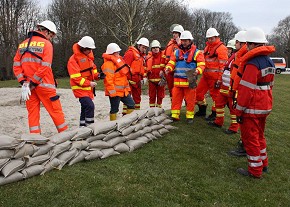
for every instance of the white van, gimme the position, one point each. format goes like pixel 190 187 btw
pixel 280 64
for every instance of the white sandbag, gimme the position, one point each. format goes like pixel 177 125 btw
pixel 38 160
pixel 111 135
pixel 145 122
pixel 157 127
pixel 123 123
pixel 158 111
pixel 102 127
pixel 169 127
pixel 9 153
pixel 167 121
pixel 163 131
pixel 156 134
pixel 128 130
pixel 145 130
pixel 67 156
pixel 153 121
pixel 94 155
pixel 122 147
pixel 94 138
pixel 116 140
pixel 133 135
pixel 138 127
pixel 7 142
pixel 62 137
pixel 80 157
pixel 80 145
pixel 60 148
pixel 159 119
pixel 12 167
pixel 26 150
pixel 32 171
pixel 134 144
pixel 17 176
pixel 53 164
pixel 3 162
pixel 43 149
pixel 143 139
pixel 99 144
pixel 82 133
pixel 36 139
pixel 108 152
pixel 150 113
pixel 150 136
pixel 140 113
pixel 132 116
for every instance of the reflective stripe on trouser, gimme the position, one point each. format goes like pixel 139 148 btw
pixel 52 104
pixel 180 93
pixel 252 133
pixel 204 85
pixel 87 111
pixel 170 81
pixel 221 101
pixel 156 93
pixel 127 101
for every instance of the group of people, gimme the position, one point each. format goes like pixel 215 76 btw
pixel 238 75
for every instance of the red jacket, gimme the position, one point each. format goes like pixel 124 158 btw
pixel 82 71
pixel 170 48
pixel 237 71
pixel 255 88
pixel 155 63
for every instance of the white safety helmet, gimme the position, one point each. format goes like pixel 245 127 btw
pixel 48 25
pixel 155 43
pixel 172 27
pixel 87 42
pixel 255 35
pixel 178 28
pixel 211 32
pixel 186 35
pixel 232 44
pixel 143 41
pixel 112 48
pixel 240 36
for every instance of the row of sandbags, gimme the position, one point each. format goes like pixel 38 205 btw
pixel 34 154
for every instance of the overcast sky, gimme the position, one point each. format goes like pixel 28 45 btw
pixel 246 13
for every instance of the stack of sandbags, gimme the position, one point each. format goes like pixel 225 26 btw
pixel 34 154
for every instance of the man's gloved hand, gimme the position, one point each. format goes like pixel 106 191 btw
pixel 25 91
pixel 217 84
pixel 144 81
pixel 240 119
pixel 102 75
pixel 93 84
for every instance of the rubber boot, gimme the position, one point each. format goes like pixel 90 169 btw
pixel 201 110
pixel 113 117
pixel 239 151
pixel 211 117
pixel 129 111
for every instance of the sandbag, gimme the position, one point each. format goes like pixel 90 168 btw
pixel 133 116
pixel 150 136
pixel 94 138
pixel 150 113
pixel 12 167
pixel 140 113
pixel 82 133
pixel 26 150
pixel 143 139
pixel 67 156
pixel 53 164
pixel 123 123
pixel 157 127
pixel 60 148
pixel 32 171
pixel 156 134
pixel 36 139
pixel 80 157
pixel 169 127
pixel 102 127
pixel 153 121
pixel 3 162
pixel 167 121
pixel 158 111
pixel 138 127
pixel 145 122
pixel 17 176
pixel 121 147
pixel 36 160
pixel 163 131
pixel 80 145
pixel 43 149
pixel 99 144
pixel 133 135
pixel 94 155
pixel 7 142
pixel 134 144
pixel 116 141
pixel 159 119
pixel 8 153
pixel 108 152
pixel 62 137
pixel 111 135
pixel 128 130
pixel 145 130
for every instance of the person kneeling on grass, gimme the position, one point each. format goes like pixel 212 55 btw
pixel 116 82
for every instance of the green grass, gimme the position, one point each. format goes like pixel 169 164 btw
pixel 187 167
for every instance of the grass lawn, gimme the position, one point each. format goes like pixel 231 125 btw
pixel 187 167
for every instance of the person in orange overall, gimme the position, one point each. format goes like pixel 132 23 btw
pixel 255 101
pixel 172 45
pixel 216 55
pixel 83 72
pixel 116 82
pixel 155 71
pixel 135 58
pixel 225 96
pixel 186 62
pixel 32 68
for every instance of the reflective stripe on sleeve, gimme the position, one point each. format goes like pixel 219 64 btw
pixel 76 75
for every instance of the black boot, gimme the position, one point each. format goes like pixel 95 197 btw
pixel 201 110
pixel 211 117
pixel 239 151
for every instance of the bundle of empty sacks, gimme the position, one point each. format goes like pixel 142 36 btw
pixel 34 154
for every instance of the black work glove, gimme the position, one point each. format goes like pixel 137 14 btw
pixel 102 75
pixel 240 119
pixel 217 84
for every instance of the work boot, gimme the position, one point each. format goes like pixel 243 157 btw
pixel 244 172
pixel 229 131
pixel 265 169
pixel 113 117
pixel 189 121
pixel 201 110
pixel 129 111
pixel 174 119
pixel 211 117
pixel 213 124
pixel 239 151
